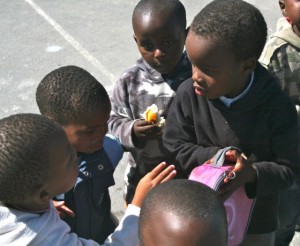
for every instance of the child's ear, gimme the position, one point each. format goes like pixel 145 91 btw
pixel 249 64
pixel 187 31
pixel 42 196
pixel 282 7
pixel 134 37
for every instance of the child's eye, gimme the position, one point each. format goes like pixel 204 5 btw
pixel 89 132
pixel 169 42
pixel 206 70
pixel 148 47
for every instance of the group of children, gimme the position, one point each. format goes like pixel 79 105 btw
pixel 59 165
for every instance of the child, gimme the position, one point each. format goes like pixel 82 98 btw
pixel 37 163
pixel 231 100
pixel 76 100
pixel 159 32
pixel 281 57
pixel 192 215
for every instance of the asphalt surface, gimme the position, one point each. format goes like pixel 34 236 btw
pixel 39 36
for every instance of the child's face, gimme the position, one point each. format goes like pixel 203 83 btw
pixel 173 230
pixel 160 40
pixel 88 137
pixel 216 72
pixel 63 168
pixel 291 9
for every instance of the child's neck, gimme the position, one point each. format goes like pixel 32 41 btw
pixel 30 208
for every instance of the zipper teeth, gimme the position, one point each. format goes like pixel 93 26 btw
pixel 219 181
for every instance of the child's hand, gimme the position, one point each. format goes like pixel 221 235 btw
pixel 146 130
pixel 243 173
pixel 158 175
pixel 229 157
pixel 62 209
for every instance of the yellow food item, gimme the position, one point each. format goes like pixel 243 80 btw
pixel 151 115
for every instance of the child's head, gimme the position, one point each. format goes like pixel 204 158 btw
pixel 225 40
pixel 159 31
pixel 75 99
pixel 182 212
pixel 291 10
pixel 36 161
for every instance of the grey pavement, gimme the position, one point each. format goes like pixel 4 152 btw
pixel 41 35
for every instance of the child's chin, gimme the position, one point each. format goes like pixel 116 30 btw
pixel 92 149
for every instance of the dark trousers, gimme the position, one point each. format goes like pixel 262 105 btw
pixel 288 214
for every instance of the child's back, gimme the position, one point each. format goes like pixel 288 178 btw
pixel 75 99
pixel 159 31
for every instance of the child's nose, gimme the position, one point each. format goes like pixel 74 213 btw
pixel 159 53
pixel 197 76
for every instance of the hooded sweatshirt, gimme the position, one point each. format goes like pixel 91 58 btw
pixel 263 124
pixel 140 87
pixel 281 57
pixel 19 228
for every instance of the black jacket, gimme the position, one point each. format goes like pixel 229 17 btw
pixel 263 124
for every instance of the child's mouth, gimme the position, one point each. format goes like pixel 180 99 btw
pixel 199 90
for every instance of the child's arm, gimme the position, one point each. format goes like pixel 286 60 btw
pixel 180 138
pixel 51 230
pixel 127 231
pixel 122 117
pixel 126 121
pixel 62 209
pixel 158 175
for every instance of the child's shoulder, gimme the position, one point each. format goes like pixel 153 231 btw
pixel 111 139
pixel 284 40
pixel 284 35
pixel 113 148
pixel 134 71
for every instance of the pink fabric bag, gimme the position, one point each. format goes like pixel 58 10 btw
pixel 238 206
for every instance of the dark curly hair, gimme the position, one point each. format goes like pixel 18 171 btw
pixel 68 93
pixel 235 24
pixel 153 7
pixel 24 154
pixel 186 199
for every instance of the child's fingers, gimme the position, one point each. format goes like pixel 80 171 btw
pixel 170 176
pixel 165 175
pixel 157 170
pixel 67 211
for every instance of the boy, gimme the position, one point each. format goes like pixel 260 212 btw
pixel 281 57
pixel 36 163
pixel 231 100
pixel 192 215
pixel 159 32
pixel 76 100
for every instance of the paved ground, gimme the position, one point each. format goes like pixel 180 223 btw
pixel 41 35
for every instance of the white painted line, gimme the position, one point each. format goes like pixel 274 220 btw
pixel 72 41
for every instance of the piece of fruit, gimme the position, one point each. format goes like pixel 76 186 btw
pixel 151 115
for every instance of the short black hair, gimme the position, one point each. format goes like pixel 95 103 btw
pixel 153 7
pixel 24 154
pixel 187 199
pixel 68 93
pixel 235 24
